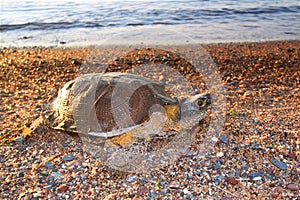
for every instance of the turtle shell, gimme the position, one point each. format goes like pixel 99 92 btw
pixel 114 100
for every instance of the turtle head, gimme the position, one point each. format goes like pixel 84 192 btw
pixel 192 105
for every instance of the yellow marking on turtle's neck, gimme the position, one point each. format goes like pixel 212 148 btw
pixel 173 112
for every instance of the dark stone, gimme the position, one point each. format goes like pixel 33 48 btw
pixel 224 139
pixel 162 184
pixel 245 166
pixel 217 166
pixel 21 175
pixel 44 173
pixel 221 161
pixel 256 131
pixel 279 164
pixel 131 195
pixel 218 179
pixel 68 157
pixel 152 194
pixel 19 139
pixel 42 80
pixel 256 176
pixel 235 148
pixel 48 165
pixel 56 175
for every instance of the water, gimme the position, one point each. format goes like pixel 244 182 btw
pixel 61 22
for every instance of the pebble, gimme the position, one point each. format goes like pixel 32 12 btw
pixel 174 185
pixel 217 166
pixel 221 161
pixel 279 164
pixel 163 178
pixel 258 65
pixel 219 178
pixel 231 180
pixel 152 194
pixel 48 165
pixel 186 191
pixel 62 188
pixel 48 187
pixel 185 152
pixel 293 155
pixel 226 198
pixel 235 148
pixel 68 157
pixel 110 197
pixel 56 175
pixel 42 79
pixel 293 187
pixel 142 191
pixel 224 139
pixel 19 139
pixel 245 166
pixel 44 173
pixel 74 163
pixel 162 184
pixel 220 154
pixel 256 176
pixel 21 175
pixel 131 179
pixel 76 61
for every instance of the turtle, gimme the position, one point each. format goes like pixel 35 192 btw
pixel 115 101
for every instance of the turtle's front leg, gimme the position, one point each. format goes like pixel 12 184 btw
pixel 122 140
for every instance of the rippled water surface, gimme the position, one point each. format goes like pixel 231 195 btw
pixel 88 22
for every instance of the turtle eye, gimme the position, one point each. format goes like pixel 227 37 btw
pixel 204 100
pixel 201 102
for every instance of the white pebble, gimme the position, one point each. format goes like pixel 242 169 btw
pixel 220 154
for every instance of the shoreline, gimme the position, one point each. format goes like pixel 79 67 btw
pixel 150 43
pixel 262 125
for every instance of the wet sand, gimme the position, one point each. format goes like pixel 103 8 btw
pixel 257 155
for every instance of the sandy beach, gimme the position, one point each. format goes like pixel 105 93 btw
pixel 256 156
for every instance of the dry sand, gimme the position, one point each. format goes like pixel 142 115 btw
pixel 257 155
